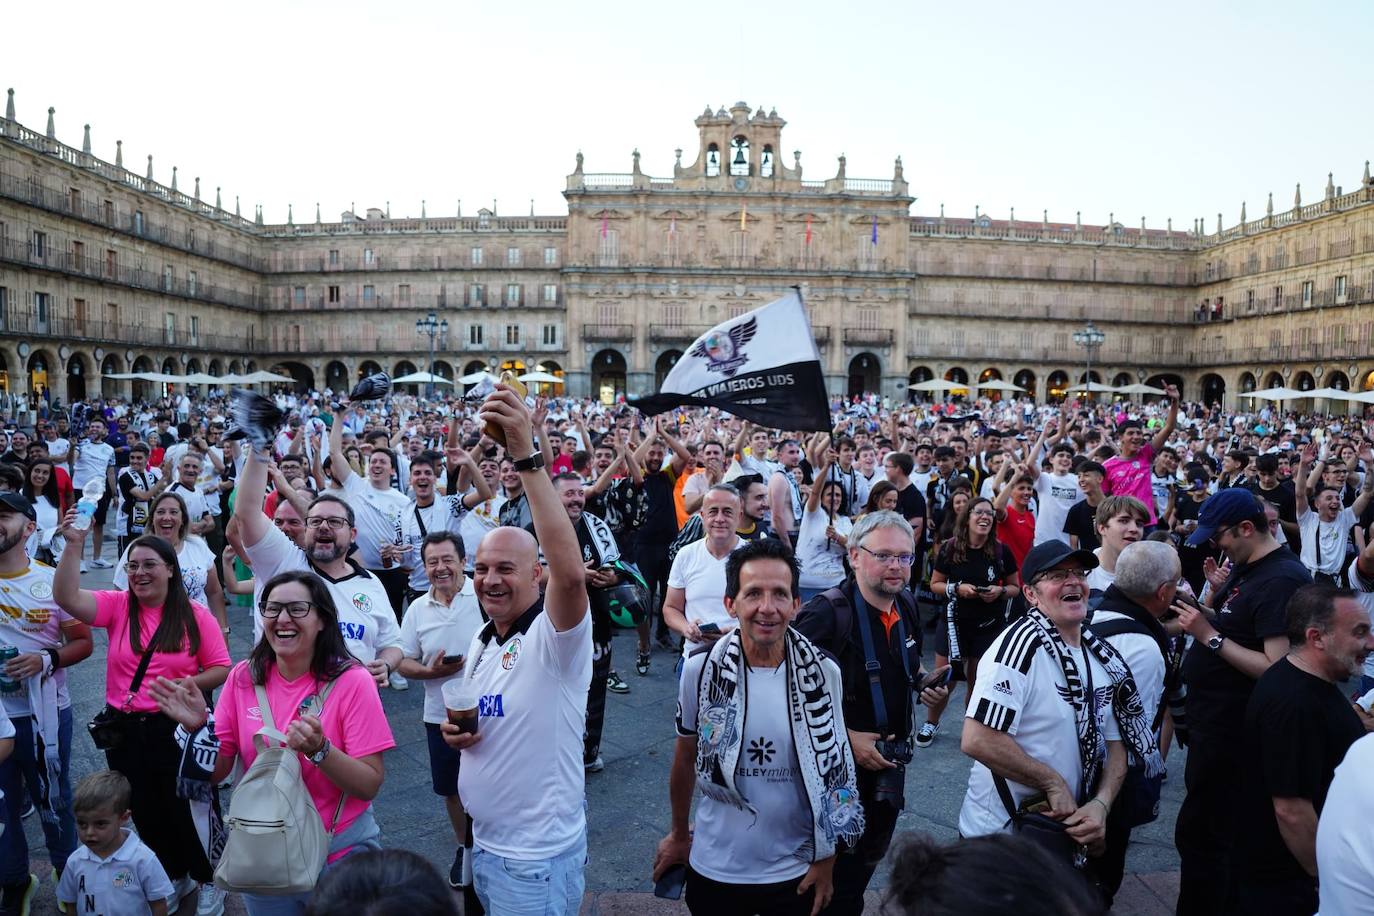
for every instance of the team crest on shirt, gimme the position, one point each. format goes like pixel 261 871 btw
pixel 717 728
pixel 123 879
pixel 41 590
pixel 363 602
pixel 511 654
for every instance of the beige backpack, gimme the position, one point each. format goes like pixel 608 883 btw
pixel 277 844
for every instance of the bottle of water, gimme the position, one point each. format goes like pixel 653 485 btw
pixel 91 495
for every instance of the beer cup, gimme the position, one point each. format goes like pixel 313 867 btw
pixel 460 703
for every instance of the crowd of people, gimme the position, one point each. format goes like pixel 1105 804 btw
pixel 1108 581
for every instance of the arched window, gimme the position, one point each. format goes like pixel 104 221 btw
pixel 739 156
pixel 712 161
pixel 766 162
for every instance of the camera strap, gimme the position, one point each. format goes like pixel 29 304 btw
pixel 871 664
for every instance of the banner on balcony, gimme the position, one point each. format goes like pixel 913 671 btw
pixel 761 366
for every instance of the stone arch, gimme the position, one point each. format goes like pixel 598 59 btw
pixel 216 367
pixel 1274 380
pixel 1213 389
pixel 920 374
pixel 550 388
pixel 1057 385
pixel 141 390
pixel 368 367
pixel 403 367
pixel 336 376
pixel 40 370
pixel 1121 380
pixel 865 374
pixel 958 375
pixel 111 387
pixel 443 369
pixel 513 365
pixel 663 365
pixel 192 366
pixel 235 368
pixel 303 374
pixel 1090 376
pixel 1026 379
pixel 1368 383
pixel 1247 382
pixel 608 376
pixel 1303 381
pixel 169 367
pixel 991 374
pixel 1338 380
pixel 79 380
pixel 251 367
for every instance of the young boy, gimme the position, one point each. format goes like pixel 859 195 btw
pixel 112 873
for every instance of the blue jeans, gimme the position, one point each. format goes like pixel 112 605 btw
pixel 19 777
pixel 544 887
pixel 360 836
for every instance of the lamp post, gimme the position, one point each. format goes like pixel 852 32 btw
pixel 433 327
pixel 1089 338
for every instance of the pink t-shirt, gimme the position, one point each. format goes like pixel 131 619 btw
pixel 112 613
pixel 1131 477
pixel 353 720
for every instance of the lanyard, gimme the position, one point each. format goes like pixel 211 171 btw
pixel 871 664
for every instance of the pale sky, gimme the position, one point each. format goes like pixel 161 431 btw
pixel 1162 109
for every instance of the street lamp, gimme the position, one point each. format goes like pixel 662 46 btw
pixel 433 327
pixel 1089 338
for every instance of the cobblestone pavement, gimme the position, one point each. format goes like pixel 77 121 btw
pixel 627 803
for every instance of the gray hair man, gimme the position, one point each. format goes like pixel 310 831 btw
pixel 1128 617
pixel 872 617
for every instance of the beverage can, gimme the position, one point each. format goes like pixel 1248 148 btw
pixel 7 683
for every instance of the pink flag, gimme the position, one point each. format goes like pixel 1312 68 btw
pixel 603 224
pixel 808 228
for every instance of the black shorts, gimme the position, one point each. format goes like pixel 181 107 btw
pixel 443 762
pixel 102 508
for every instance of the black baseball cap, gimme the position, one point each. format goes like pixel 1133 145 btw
pixel 17 503
pixel 1050 554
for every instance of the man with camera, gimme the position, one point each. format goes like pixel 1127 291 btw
pixel 870 625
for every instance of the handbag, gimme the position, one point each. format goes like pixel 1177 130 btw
pixel 1044 831
pixel 109 726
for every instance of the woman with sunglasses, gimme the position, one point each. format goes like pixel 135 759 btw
pixel 976 575
pixel 167 520
pixel 181 640
pixel 321 698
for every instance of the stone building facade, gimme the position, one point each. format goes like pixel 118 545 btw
pixel 103 270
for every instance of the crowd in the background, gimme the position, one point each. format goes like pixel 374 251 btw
pixel 1087 584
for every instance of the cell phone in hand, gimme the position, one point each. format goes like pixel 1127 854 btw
pixel 669 885
pixel 938 678
pixel 709 629
pixel 451 659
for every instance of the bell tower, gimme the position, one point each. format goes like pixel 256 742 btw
pixel 736 145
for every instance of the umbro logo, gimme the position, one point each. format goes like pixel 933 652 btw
pixel 1003 687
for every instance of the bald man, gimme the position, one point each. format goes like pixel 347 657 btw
pixel 521 778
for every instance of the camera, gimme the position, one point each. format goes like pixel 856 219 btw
pixel 891 782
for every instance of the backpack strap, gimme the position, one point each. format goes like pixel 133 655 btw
pixel 269 730
pixel 1124 624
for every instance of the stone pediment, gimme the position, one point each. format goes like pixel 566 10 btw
pixel 676 215
pixel 674 290
pixel 734 217
pixel 816 219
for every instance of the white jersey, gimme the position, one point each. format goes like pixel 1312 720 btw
pixel 132 517
pixel 1056 495
pixel 197 506
pixel 482 518
pixel 194 557
pixel 365 616
pixel 1345 844
pixel 32 621
pixel 734 846
pixel 93 461
pixel 1323 543
pixel 523 784
pixel 122 885
pixel 378 516
pixel 445 513
pixel 1021 691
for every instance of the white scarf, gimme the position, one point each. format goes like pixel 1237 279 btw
pixel 818 734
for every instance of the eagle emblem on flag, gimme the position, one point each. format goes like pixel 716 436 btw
pixel 724 350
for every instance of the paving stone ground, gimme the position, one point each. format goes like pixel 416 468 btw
pixel 627 804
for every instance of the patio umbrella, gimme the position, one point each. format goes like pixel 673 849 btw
pixel 258 377
pixel 199 378
pixel 1137 388
pixel 1331 394
pixel 998 385
pixel 422 378
pixel 1275 394
pixel 1092 386
pixel 540 377
pixel 473 378
pixel 1363 397
pixel 939 384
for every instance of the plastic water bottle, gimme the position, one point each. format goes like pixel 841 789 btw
pixel 91 495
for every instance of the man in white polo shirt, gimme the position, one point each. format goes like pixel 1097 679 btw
pixel 522 780
pixel 694 605
pixel 95 461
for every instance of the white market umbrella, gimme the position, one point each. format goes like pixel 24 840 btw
pixel 422 378
pixel 1363 397
pixel 258 377
pixel 998 385
pixel 1331 394
pixel 1137 388
pixel 474 378
pixel 939 384
pixel 1276 394
pixel 1093 387
pixel 541 377
pixel 199 378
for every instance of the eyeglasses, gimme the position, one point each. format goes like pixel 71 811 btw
pixel 982 513
pixel 1060 576
pixel 901 559
pixel 334 523
pixel 146 566
pixel 295 610
pixel 1215 540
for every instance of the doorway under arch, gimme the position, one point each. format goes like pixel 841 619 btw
pixel 109 387
pixel 39 370
pixel 304 376
pixel 551 389
pixel 1213 389
pixel 1026 379
pixel 336 376
pixel 1273 380
pixel 77 374
pixel 865 374
pixel 142 390
pixel 1057 385
pixel 1247 382
pixel 608 376
pixel 1121 380
pixel 663 365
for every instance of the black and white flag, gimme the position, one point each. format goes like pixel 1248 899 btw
pixel 761 366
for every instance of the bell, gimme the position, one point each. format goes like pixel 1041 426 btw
pixel 711 158
pixel 739 156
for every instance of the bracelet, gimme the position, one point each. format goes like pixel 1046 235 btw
pixel 56 659
pixel 1105 808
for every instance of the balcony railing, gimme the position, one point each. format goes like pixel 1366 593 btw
pixel 881 337
pixel 26 254
pixel 119 334
pixel 608 332
pixel 682 333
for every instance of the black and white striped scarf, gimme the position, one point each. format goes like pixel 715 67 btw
pixel 818 734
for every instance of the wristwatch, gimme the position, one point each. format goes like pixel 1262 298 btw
pixel 532 463
pixel 317 758
pixel 1214 643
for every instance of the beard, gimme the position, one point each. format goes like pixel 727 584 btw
pixel 328 552
pixel 9 540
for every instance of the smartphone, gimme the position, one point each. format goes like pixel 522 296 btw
pixel 709 629
pixel 669 885
pixel 451 659
pixel 938 679
pixel 1035 804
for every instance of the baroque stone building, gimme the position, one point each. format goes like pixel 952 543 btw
pixel 103 270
